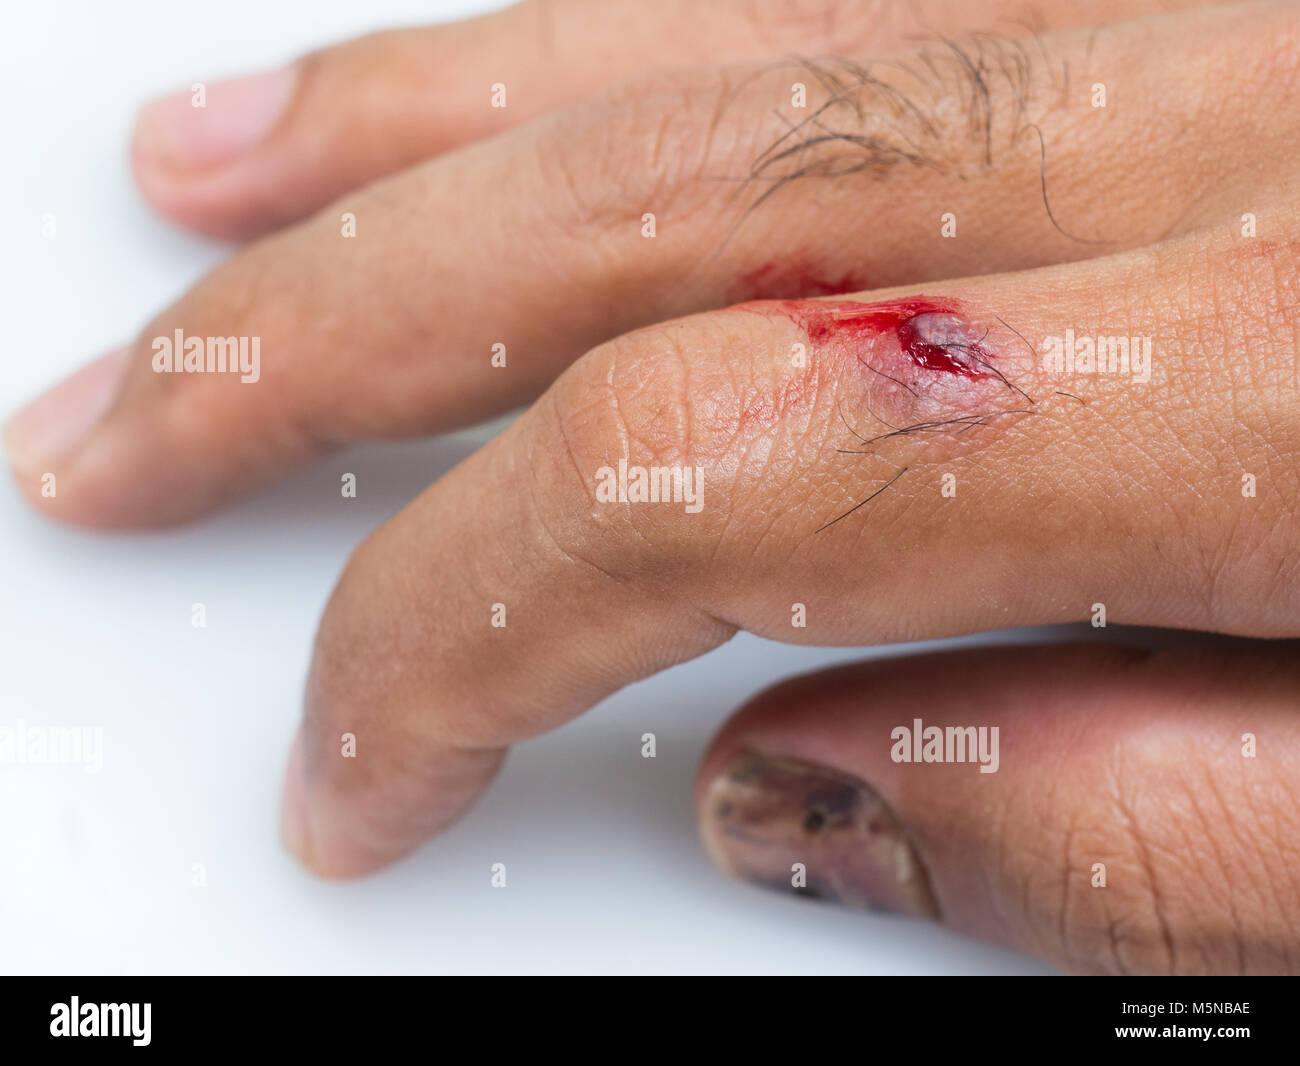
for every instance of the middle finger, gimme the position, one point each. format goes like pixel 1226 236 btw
pixel 471 281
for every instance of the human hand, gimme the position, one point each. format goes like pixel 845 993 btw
pixel 1011 491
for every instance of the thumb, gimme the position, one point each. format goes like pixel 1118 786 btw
pixel 1106 809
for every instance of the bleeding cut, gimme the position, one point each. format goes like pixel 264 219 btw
pixel 933 335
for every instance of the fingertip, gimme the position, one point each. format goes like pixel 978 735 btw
pixel 295 833
pixel 62 419
pixel 79 454
pixel 204 127
pixel 318 837
pixel 195 153
pixel 53 432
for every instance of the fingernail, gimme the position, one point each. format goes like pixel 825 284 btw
pixel 813 831
pixel 235 116
pixel 294 830
pixel 56 424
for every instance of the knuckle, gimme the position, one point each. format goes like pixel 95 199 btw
pixel 620 401
pixel 615 430
pixel 639 146
pixel 719 406
pixel 734 398
pixel 727 435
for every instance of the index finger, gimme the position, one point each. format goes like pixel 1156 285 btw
pixel 823 472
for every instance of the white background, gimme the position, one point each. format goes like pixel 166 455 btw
pixel 605 872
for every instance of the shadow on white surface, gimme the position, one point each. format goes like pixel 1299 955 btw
pixel 604 870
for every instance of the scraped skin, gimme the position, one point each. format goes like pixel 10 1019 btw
pixel 924 361
pixel 891 464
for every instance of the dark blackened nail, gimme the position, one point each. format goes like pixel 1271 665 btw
pixel 802 828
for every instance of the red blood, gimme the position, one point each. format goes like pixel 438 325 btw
pixel 931 356
pixel 793 277
pixel 859 323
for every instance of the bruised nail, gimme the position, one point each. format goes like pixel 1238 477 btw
pixel 801 828
pixel 207 125
pixel 55 425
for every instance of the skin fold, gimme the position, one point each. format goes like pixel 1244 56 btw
pixel 886 453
